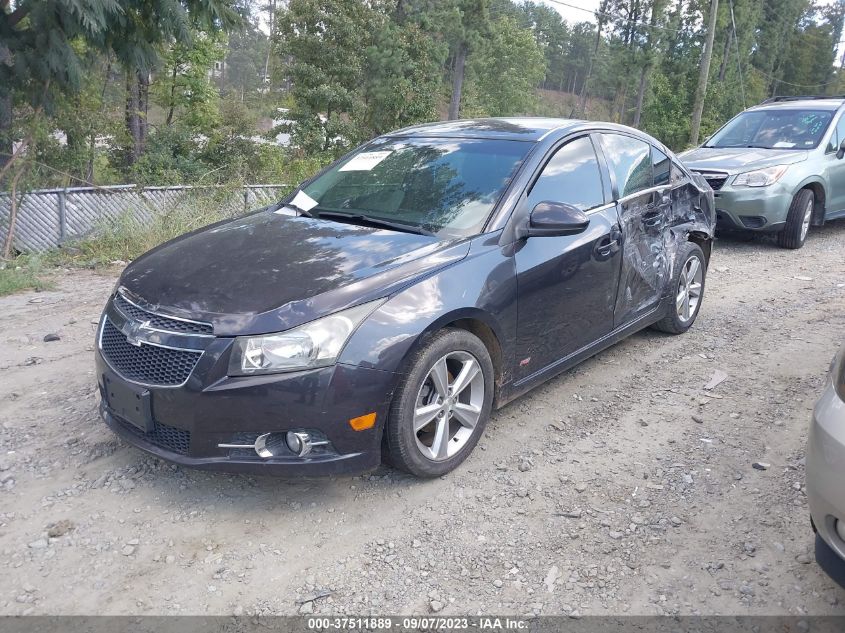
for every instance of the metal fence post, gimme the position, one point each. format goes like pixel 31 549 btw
pixel 246 199
pixel 62 215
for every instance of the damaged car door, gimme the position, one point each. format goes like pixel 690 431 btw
pixel 644 208
pixel 567 283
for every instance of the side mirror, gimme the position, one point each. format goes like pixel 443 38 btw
pixel 840 153
pixel 551 219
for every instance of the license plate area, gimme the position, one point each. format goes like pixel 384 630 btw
pixel 133 404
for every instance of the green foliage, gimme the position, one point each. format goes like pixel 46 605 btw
pixel 403 84
pixel 184 88
pixel 326 41
pixel 172 157
pixel 22 273
pixel 507 69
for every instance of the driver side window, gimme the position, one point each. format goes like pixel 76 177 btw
pixel 571 176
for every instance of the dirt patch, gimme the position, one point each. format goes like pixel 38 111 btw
pixel 623 486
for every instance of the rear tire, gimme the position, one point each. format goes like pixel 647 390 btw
pixel 798 220
pixel 687 290
pixel 442 405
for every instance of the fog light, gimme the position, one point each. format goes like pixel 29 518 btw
pixel 269 445
pixel 840 529
pixel 298 442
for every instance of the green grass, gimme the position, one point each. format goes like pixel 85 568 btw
pixel 125 238
pixel 22 273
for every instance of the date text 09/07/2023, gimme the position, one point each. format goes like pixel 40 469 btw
pixel 375 623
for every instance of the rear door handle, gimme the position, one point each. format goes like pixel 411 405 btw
pixel 652 219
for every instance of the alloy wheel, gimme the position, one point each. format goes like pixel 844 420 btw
pixel 448 405
pixel 689 289
pixel 808 217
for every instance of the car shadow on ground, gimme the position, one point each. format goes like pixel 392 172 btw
pixel 752 240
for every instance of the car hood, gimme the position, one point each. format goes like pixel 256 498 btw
pixel 734 160
pixel 268 272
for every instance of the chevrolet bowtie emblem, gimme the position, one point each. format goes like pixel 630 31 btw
pixel 134 332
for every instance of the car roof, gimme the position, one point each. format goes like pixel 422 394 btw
pixel 805 104
pixel 531 129
pixel 516 128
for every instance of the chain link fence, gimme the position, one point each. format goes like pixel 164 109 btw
pixel 49 217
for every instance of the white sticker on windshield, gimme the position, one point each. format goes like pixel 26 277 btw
pixel 300 201
pixel 783 144
pixel 365 161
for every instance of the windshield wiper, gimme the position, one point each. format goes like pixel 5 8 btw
pixel 368 219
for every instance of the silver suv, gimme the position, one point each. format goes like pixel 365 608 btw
pixel 777 167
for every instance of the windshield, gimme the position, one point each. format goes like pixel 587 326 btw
pixel 446 186
pixel 774 129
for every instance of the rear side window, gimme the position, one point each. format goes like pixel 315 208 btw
pixel 571 176
pixel 662 167
pixel 630 160
pixel 838 135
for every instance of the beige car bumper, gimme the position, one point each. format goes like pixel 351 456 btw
pixel 826 469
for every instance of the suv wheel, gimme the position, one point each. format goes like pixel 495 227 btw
pixel 688 290
pixel 798 220
pixel 442 406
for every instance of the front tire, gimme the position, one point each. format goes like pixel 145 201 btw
pixel 442 406
pixel 798 220
pixel 688 290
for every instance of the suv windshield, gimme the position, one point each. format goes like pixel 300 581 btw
pixel 447 186
pixel 774 129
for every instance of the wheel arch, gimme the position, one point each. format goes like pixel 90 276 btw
pixel 704 241
pixel 478 323
pixel 820 193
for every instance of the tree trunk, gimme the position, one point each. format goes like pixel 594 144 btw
pixel 137 101
pixel 172 107
pixel 8 246
pixel 701 90
pixel 272 7
pixel 92 136
pixel 640 96
pixel 723 66
pixel 458 81
pixel 582 105
pixel 6 140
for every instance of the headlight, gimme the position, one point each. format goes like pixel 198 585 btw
pixel 314 344
pixel 760 177
pixel 837 374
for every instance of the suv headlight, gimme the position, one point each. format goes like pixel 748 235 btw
pixel 315 344
pixel 837 374
pixel 760 177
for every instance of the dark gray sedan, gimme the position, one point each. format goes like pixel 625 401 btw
pixel 390 303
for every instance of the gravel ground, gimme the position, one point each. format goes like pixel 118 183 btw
pixel 621 487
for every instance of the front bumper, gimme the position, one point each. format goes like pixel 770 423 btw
pixel 752 208
pixel 190 421
pixel 825 463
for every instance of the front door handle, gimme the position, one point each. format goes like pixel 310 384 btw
pixel 609 244
pixel 607 248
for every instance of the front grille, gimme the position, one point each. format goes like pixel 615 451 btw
pixel 716 181
pixel 167 437
pixel 158 321
pixel 148 364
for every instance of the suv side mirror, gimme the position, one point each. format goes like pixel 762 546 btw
pixel 551 219
pixel 840 153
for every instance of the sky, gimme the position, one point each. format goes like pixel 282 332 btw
pixel 574 16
